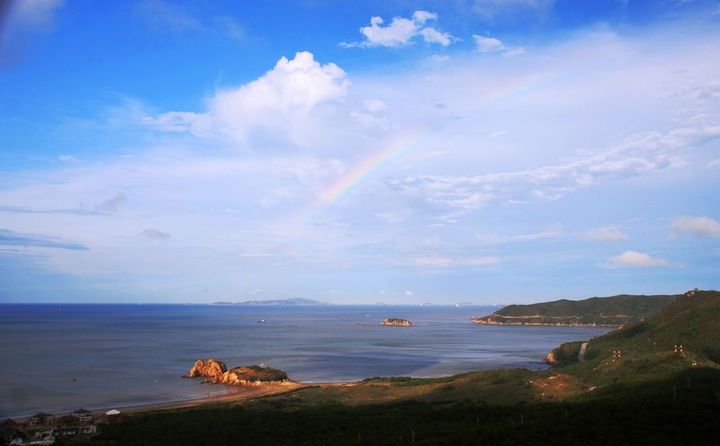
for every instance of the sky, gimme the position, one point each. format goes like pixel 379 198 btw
pixel 459 151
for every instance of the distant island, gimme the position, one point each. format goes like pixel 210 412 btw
pixel 296 301
pixel 396 322
pixel 611 311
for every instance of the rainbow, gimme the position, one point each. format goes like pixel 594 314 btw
pixel 407 141
pixel 360 171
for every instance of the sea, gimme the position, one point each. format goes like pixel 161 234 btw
pixel 60 357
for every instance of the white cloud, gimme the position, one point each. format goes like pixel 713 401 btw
pixel 283 104
pixel 431 35
pixel 714 163
pixel 488 44
pixel 401 32
pixel 635 259
pixel 409 293
pixel 699 226
pixel 607 233
pixel 636 155
pixel 420 17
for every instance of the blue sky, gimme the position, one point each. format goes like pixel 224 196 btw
pixel 485 151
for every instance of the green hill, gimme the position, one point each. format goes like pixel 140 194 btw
pixel 603 311
pixel 684 334
pixel 634 385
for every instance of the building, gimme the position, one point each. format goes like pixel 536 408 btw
pixel 41 419
pixel 83 416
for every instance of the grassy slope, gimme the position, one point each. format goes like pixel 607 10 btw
pixel 647 346
pixel 651 396
pixel 613 310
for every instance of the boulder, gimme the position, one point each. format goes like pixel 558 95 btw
pixel 208 368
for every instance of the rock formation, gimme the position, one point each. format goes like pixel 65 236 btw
pixel 395 322
pixel 551 358
pixel 216 372
pixel 207 368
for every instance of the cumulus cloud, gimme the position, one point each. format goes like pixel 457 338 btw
pixel 607 233
pixel 699 226
pixel 635 259
pixel 401 32
pixel 283 103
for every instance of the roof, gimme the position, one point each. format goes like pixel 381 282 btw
pixel 112 412
pixel 41 415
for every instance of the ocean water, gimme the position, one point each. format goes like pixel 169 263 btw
pixel 58 357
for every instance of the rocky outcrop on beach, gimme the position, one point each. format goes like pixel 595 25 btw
pixel 395 322
pixel 216 372
pixel 551 358
pixel 207 368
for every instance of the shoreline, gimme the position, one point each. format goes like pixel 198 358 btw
pixel 236 394
pixel 544 324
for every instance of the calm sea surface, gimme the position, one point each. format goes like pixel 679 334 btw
pixel 63 357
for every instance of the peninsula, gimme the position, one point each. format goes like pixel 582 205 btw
pixel 611 311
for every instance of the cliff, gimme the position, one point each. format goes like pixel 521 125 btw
pixel 395 322
pixel 217 373
pixel 597 311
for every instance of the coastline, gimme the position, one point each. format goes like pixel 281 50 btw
pixel 543 324
pixel 235 394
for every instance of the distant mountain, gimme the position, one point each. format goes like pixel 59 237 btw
pixel 602 311
pixel 296 301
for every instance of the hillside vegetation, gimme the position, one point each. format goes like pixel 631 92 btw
pixel 607 311
pixel 653 382
pixel 684 334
